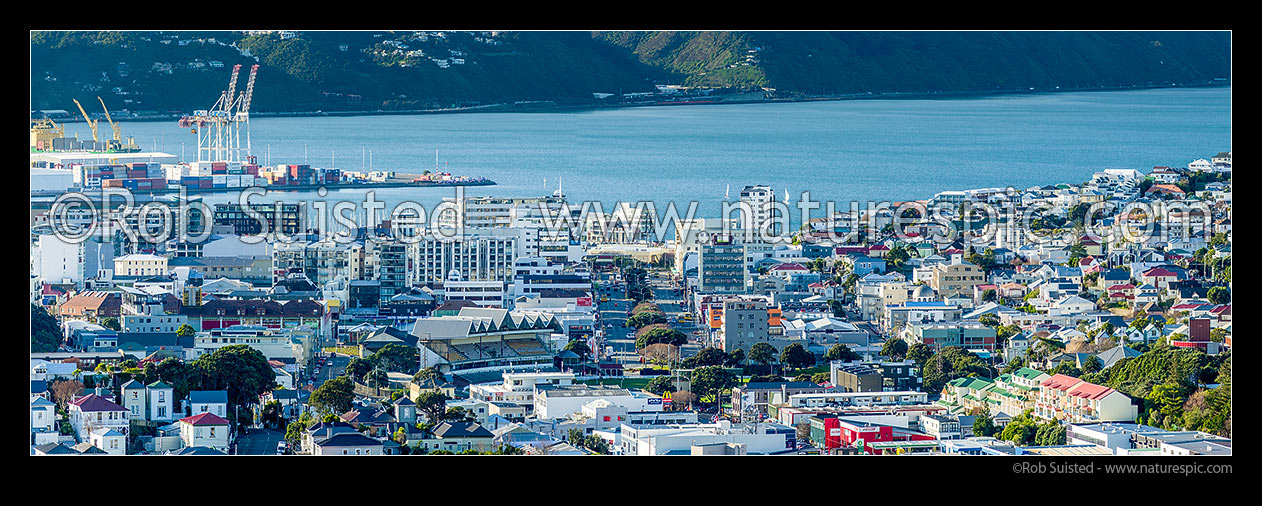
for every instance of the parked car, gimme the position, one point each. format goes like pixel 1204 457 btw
pixel 281 448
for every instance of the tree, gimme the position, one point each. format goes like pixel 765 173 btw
pixel 358 367
pixel 989 320
pixel 661 385
pixel 241 370
pixel 895 349
pixel 762 353
pixel 647 306
pixel 458 414
pixel 711 356
pixel 396 358
pixel 1091 365
pixel 646 318
pixel 333 396
pixel 45 332
pixel 1022 430
pixel 896 257
pixel 661 334
pixel 795 356
pixel 679 400
pixel 377 378
pixel 596 444
pixel 983 425
pixel 65 391
pixel 735 358
pixel 1219 295
pixel 1168 399
pixel 186 331
pixel 432 404
pixel 821 378
pixel 1050 433
pixel 429 375
pixel 574 437
pixel 711 381
pixel 840 352
pixel 579 347
pixel 661 353
pixel 920 353
pixel 271 413
pixel 949 363
pixel 183 377
pixel 295 429
pixel 111 323
pixel 837 307
pixel 1067 368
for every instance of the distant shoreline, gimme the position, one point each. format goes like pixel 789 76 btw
pixel 552 107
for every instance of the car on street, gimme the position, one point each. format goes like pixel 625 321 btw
pixel 282 448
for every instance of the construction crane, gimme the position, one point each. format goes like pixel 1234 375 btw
pixel 91 124
pixel 116 144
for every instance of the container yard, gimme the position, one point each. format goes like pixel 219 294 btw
pixel 224 162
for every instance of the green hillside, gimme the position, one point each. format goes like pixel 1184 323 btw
pixel 366 71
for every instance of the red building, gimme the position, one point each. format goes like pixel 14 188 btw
pixel 831 433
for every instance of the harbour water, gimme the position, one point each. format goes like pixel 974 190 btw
pixel 863 150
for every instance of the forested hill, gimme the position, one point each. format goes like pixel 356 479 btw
pixel 368 71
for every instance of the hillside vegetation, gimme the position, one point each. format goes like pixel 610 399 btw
pixel 307 71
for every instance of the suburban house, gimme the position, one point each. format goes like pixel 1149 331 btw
pixel 92 412
pixel 205 429
pixel 208 401
pixel 347 443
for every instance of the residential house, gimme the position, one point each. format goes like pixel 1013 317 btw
pixel 205 429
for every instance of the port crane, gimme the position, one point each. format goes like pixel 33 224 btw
pixel 91 124
pixel 218 129
pixel 116 144
pixel 43 131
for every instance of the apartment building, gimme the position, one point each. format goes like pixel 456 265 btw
pixel 956 278
pixel 1072 400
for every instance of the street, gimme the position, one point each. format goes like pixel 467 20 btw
pixel 621 338
pixel 259 442
pixel 327 372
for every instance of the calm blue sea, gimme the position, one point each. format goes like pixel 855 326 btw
pixel 841 151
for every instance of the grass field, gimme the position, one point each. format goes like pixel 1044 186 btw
pixel 622 382
pixel 345 350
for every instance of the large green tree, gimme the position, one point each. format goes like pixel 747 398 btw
pixel 796 356
pixel 711 356
pixel 579 347
pixel 358 367
pixel 895 349
pixel 762 353
pixel 660 334
pixel 45 332
pixel 645 318
pixel 241 370
pixel 1219 295
pixel 837 352
pixel 396 358
pixel 712 381
pixel 432 404
pixel 661 385
pixel 952 362
pixel 333 396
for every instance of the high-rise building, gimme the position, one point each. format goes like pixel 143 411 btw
pixel 721 266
